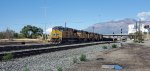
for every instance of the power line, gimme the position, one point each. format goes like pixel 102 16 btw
pixel 45 16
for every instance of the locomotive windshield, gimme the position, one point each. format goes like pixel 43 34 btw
pixel 58 28
pixel 61 28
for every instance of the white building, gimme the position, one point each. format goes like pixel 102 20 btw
pixel 132 28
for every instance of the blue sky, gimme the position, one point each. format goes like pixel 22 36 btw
pixel 78 14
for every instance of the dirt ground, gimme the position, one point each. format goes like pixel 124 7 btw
pixel 132 57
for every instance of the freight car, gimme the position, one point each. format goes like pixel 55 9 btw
pixel 61 34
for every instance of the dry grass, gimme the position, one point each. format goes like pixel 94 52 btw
pixel 6 40
pixel 19 41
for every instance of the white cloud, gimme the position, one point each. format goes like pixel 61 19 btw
pixel 144 16
pixel 48 31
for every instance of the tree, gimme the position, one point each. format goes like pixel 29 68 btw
pixel 31 31
pixel 16 35
pixel 139 36
pixel 8 34
pixel 2 36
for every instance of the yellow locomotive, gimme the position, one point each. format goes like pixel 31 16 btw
pixel 61 34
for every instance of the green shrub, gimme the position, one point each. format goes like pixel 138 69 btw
pixel 26 69
pixel 141 41
pixel 59 69
pixel 83 57
pixel 138 41
pixel 75 60
pixel 135 41
pixel 7 56
pixel 104 47
pixel 114 46
pixel 48 70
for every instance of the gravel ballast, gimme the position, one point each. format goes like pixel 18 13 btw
pixel 53 60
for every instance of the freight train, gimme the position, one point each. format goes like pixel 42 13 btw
pixel 61 34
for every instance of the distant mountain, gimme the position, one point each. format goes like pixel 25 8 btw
pixel 113 26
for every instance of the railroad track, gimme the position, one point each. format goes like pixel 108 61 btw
pixel 26 46
pixel 4 48
pixel 35 51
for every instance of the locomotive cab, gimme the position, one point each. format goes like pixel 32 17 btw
pixel 56 35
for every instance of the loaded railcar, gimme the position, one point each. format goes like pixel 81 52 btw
pixel 61 34
pixel 82 36
pixel 91 35
pixel 100 36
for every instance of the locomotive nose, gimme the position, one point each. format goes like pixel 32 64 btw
pixel 56 36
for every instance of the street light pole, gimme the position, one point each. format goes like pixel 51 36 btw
pixel 113 36
pixel 121 37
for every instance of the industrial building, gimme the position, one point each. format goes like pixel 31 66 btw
pixel 132 28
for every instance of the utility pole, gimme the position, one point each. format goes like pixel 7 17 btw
pixel 113 36
pixel 139 27
pixel 65 24
pixel 66 30
pixel 148 33
pixel 45 16
pixel 93 31
pixel 136 30
pixel 45 13
pixel 140 33
pixel 93 28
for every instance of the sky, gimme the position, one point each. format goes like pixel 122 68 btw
pixel 78 14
